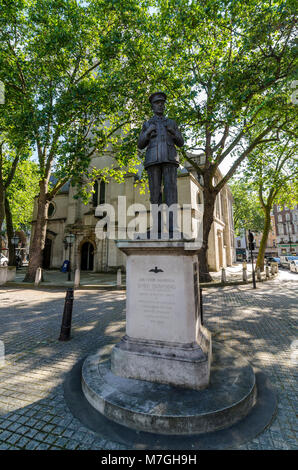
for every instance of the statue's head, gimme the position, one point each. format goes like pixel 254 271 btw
pixel 157 101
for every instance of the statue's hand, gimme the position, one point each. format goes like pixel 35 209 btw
pixel 171 130
pixel 151 131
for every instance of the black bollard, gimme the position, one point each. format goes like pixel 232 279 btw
pixel 67 315
pixel 201 306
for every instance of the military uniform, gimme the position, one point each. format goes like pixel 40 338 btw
pixel 161 160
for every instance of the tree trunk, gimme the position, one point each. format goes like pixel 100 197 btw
pixel 209 203
pixel 10 232
pixel 39 235
pixel 263 244
pixel 2 206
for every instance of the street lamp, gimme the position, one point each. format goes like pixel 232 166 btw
pixel 70 238
pixel 15 242
pixel 252 247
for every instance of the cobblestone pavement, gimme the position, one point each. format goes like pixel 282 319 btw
pixel 260 324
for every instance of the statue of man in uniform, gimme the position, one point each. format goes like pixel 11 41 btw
pixel 160 135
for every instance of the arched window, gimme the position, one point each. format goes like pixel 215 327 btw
pixel 99 195
pixel 102 192
pixel 199 198
pixel 51 209
pixel 95 194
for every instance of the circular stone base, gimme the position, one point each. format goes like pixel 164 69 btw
pixel 164 409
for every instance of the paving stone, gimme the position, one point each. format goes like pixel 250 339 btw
pixel 32 445
pixel 4 435
pixel 13 439
pixel 31 433
pixel 43 447
pixel 5 446
pixel 22 442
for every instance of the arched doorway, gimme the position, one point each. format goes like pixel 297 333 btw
pixel 47 251
pixel 87 257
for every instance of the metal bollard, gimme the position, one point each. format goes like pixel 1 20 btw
pixel 38 277
pixel 119 280
pixel 259 277
pixel 244 274
pixel 223 276
pixel 267 272
pixel 67 316
pixel 77 278
pixel 201 306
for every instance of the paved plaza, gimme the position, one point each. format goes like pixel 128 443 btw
pixel 260 324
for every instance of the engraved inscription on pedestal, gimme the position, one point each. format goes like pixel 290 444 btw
pixel 158 297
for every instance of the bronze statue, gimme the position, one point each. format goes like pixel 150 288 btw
pixel 160 135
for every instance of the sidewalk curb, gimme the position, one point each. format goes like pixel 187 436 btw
pixel 30 285
pixel 234 283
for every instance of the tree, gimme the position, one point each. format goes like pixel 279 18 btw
pixel 272 171
pixel 59 62
pixel 221 64
pixel 247 210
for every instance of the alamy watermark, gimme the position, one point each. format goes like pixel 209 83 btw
pixel 135 221
pixel 2 354
pixel 2 93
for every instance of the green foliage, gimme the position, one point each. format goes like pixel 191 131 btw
pixel 247 210
pixel 272 170
pixel 21 194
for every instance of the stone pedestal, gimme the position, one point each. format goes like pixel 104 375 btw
pixel 165 341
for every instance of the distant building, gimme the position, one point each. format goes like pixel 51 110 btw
pixel 286 222
pixel 241 243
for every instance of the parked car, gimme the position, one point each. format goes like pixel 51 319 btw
pixel 294 266
pixel 286 260
pixel 3 260
pixel 274 260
